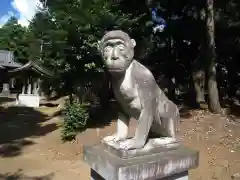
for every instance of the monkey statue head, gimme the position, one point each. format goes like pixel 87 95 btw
pixel 117 50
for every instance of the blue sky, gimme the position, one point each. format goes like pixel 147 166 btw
pixel 24 10
pixel 6 7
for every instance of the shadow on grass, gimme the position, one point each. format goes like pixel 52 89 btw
pixel 49 104
pixel 232 107
pixel 58 113
pixel 20 176
pixel 4 99
pixel 235 110
pixel 18 123
pixel 14 148
pixel 185 112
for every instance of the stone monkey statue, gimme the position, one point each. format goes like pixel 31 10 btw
pixel 137 93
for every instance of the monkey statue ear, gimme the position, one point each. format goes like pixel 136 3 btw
pixel 133 42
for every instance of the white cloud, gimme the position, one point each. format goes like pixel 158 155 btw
pixel 26 10
pixel 5 18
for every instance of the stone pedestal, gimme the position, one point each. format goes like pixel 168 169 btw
pixel 5 90
pixel 150 163
pixel 28 100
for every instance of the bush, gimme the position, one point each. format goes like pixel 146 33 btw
pixel 75 120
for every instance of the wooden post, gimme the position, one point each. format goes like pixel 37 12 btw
pixel 23 88
pixel 12 82
pixel 29 90
pixel 39 86
pixel 23 84
pixel 5 89
pixel 35 86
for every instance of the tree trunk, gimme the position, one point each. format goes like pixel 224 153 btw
pixel 214 105
pixel 199 65
pixel 199 85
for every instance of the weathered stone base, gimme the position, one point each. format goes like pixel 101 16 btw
pixel 161 165
pixel 28 100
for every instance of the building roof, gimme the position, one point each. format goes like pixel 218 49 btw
pixel 7 59
pixel 33 66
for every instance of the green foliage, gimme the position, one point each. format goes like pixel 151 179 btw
pixel 75 120
pixel 13 37
pixel 69 31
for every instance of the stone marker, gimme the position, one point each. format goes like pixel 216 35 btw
pixel 28 100
pixel 5 89
pixel 141 157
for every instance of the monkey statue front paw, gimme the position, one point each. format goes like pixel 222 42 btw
pixel 113 138
pixel 131 144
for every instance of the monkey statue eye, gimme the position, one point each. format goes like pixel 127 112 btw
pixel 107 49
pixel 121 47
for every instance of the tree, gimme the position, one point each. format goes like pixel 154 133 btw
pixel 69 32
pixel 14 38
pixel 214 104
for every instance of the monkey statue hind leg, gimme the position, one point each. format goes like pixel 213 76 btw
pixel 166 122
